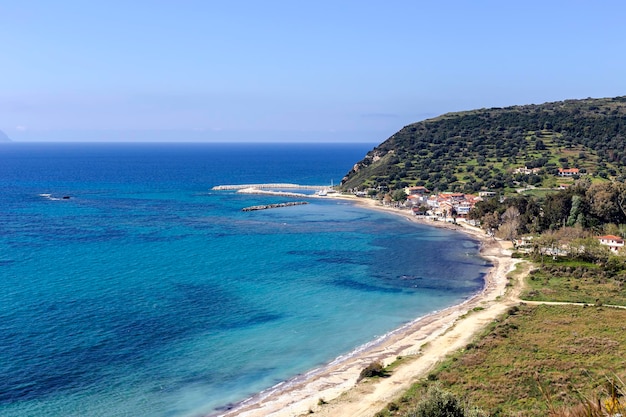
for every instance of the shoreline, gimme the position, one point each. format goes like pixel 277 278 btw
pixel 332 390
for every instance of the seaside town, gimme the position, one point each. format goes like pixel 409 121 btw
pixel 442 205
pixel 456 207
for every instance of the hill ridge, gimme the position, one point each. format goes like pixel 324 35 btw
pixel 480 149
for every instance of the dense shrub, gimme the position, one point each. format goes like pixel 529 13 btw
pixel 440 403
pixel 372 370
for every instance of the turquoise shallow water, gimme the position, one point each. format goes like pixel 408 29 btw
pixel 148 294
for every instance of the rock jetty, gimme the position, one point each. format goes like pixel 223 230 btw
pixel 270 206
pixel 275 185
pixel 269 192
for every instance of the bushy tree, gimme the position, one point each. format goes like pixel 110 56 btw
pixel 372 370
pixel 399 195
pixel 490 222
pixel 488 206
pixel 604 201
pixel 556 210
pixel 440 403
pixel 509 228
pixel 589 250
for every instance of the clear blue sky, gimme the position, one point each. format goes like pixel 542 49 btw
pixel 292 70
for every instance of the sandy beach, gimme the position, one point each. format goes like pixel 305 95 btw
pixel 423 343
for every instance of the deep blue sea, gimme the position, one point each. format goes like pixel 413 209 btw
pixel 147 294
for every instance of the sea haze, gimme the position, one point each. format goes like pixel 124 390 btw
pixel 146 293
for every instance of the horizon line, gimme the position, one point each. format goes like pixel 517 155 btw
pixel 188 142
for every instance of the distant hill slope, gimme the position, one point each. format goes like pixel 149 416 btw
pixel 481 149
pixel 4 137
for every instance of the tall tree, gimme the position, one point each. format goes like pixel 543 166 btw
pixel 604 201
pixel 510 224
pixel 575 214
pixel 556 210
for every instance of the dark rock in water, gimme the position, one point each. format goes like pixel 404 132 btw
pixel 4 137
pixel 409 277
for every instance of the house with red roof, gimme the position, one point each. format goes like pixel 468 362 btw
pixel 444 204
pixel 417 190
pixel 568 172
pixel 615 243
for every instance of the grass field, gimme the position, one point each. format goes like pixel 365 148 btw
pixel 538 357
pixel 533 357
pixel 577 286
pixel 540 192
pixel 566 349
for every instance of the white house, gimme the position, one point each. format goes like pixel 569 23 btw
pixel 568 172
pixel 615 243
pixel 526 170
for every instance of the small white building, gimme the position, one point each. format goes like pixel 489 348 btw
pixel 463 208
pixel 526 171
pixel 615 243
pixel 568 172
pixel 525 244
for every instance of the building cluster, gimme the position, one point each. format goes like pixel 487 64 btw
pixel 525 244
pixel 563 172
pixel 422 201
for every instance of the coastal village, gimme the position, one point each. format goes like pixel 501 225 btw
pixel 442 205
pixel 454 207
pixel 453 204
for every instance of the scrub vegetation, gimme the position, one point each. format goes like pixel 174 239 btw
pixel 481 149
pixel 535 360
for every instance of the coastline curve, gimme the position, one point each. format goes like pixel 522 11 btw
pixel 424 341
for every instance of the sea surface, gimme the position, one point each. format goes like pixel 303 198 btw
pixel 147 294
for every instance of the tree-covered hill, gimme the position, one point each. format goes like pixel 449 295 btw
pixel 481 149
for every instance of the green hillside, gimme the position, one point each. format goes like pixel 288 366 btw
pixel 480 149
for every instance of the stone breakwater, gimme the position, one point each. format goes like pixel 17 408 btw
pixel 270 192
pixel 266 186
pixel 270 206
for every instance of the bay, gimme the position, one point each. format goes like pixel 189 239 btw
pixel 147 293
